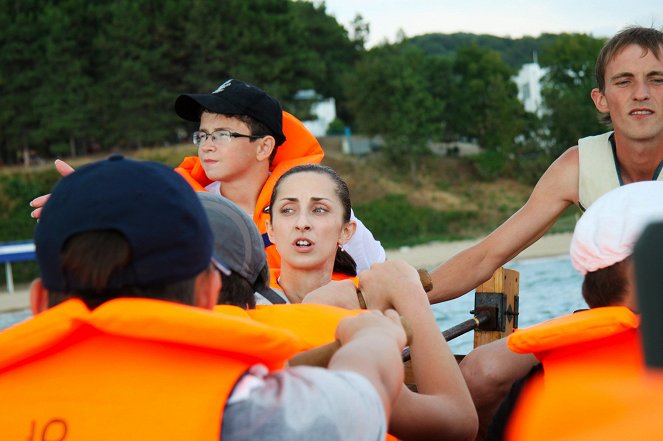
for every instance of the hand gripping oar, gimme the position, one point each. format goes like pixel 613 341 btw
pixel 424 278
pixel 321 355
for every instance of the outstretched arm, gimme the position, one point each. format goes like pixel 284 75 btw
pixel 442 408
pixel 555 191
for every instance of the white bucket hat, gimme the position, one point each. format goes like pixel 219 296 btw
pixel 607 232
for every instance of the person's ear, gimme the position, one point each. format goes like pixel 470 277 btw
pixel 265 147
pixel 38 297
pixel 270 230
pixel 600 101
pixel 347 232
pixel 207 289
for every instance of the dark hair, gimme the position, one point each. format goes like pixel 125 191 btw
pixel 90 259
pixel 649 39
pixel 255 128
pixel 343 262
pixel 607 286
pixel 236 290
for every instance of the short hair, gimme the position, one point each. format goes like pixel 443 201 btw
pixel 649 39
pixel 237 291
pixel 90 258
pixel 343 263
pixel 607 286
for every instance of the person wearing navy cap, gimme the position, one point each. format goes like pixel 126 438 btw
pixel 124 344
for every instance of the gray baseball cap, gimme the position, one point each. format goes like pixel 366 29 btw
pixel 237 241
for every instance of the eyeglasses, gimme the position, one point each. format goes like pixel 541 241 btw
pixel 220 137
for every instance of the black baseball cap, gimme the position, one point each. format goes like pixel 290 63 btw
pixel 235 97
pixel 151 205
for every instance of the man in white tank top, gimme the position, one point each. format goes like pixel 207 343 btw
pixel 629 73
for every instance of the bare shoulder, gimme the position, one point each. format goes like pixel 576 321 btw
pixel 561 178
pixel 566 163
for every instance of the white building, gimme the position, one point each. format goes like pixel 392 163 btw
pixel 323 109
pixel 528 81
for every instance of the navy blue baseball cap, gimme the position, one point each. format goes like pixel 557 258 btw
pixel 151 205
pixel 235 97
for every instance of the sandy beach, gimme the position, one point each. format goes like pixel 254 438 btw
pixel 433 254
pixel 422 256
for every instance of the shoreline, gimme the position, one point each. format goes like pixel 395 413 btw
pixel 433 254
pixel 427 256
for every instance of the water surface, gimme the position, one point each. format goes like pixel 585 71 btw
pixel 549 287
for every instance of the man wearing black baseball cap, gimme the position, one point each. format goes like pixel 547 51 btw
pixel 117 349
pixel 245 143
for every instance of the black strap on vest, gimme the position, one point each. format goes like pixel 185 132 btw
pixel 272 297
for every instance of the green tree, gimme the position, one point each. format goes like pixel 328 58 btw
pixel 359 32
pixel 514 52
pixel 62 100
pixel 566 89
pixel 389 94
pixel 22 41
pixel 77 76
pixel 251 41
pixel 131 107
pixel 331 52
pixel 483 102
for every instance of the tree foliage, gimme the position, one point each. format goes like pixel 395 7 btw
pixel 388 92
pixel 514 52
pixel 78 76
pixel 483 100
pixel 570 61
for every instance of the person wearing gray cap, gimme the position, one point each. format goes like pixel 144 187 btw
pixel 124 344
pixel 238 243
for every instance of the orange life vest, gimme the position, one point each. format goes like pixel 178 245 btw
pixel 600 344
pixel 300 147
pixel 275 273
pixel 315 325
pixel 130 369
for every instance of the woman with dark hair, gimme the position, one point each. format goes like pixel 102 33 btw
pixel 309 224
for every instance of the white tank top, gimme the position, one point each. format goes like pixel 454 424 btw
pixel 598 169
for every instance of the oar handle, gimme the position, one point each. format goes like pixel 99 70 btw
pixel 426 279
pixel 321 355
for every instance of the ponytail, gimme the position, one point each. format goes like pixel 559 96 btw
pixel 344 263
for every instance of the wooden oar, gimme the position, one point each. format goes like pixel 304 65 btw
pixel 321 355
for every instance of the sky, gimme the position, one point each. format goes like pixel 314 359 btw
pixel 503 18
